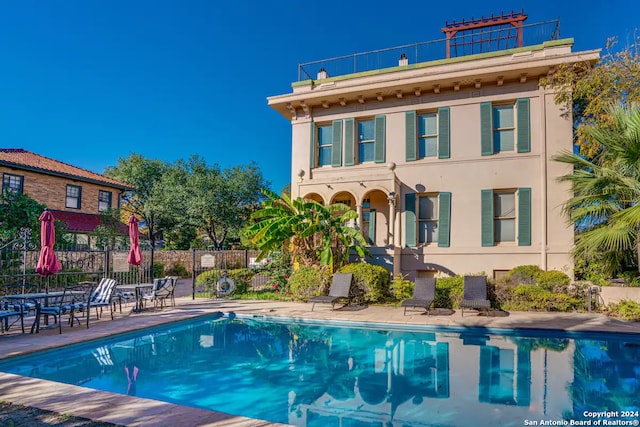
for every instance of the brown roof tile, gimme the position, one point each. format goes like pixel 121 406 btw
pixel 19 157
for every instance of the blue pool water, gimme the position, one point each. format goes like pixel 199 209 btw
pixel 325 374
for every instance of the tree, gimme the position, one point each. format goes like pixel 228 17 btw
pixel 17 210
pixel 605 206
pixel 216 201
pixel 148 201
pixel 588 91
pixel 312 232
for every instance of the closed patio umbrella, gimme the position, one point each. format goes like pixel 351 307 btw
pixel 48 263
pixel 135 256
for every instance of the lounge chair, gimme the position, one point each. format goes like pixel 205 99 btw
pixel 9 309
pixel 102 296
pixel 475 294
pixel 424 292
pixel 340 287
pixel 162 290
pixel 74 300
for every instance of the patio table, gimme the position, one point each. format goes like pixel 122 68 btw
pixel 37 298
pixel 137 288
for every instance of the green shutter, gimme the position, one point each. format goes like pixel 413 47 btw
pixel 486 208
pixel 349 142
pixel 336 147
pixel 486 128
pixel 410 219
pixel 372 227
pixel 443 133
pixel 411 141
pixel 444 219
pixel 523 378
pixel 523 126
pixel 379 139
pixel 524 217
pixel 312 154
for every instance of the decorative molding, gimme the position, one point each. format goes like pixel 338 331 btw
pixel 478 83
pixel 456 86
pixel 361 99
pixel 436 88
pixel 343 101
pixel 417 91
pixel 398 94
pixel 523 78
pixel 379 96
pixel 500 80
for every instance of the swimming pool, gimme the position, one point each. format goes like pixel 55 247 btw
pixel 344 374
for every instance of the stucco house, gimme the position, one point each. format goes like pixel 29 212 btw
pixel 446 152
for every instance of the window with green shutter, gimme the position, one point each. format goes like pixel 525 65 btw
pixel 312 146
pixel 506 216
pixel 486 217
pixel 523 125
pixel 325 145
pixel 444 132
pixel 486 129
pixel 524 217
pixel 366 140
pixel 380 139
pixel 349 142
pixel 444 220
pixel 410 136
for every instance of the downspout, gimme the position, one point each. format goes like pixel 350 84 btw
pixel 543 186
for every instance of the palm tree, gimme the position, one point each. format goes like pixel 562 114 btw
pixel 606 192
pixel 314 233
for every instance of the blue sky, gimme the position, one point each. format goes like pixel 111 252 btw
pixel 89 81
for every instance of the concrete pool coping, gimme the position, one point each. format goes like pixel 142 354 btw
pixel 134 411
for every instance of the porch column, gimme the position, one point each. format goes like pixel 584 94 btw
pixel 359 223
pixel 391 229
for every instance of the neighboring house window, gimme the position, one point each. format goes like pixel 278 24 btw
pixel 428 218
pixel 325 143
pixel 503 128
pixel 13 183
pixel 366 141
pixel 104 200
pixel 506 216
pixel 74 195
pixel 427 135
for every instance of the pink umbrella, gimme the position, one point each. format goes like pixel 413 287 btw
pixel 135 257
pixel 48 263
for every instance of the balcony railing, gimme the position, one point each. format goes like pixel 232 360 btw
pixel 492 40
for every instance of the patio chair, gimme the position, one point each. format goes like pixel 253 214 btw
pixel 340 288
pixel 424 292
pixel 9 309
pixel 475 294
pixel 74 300
pixel 172 289
pixel 162 289
pixel 102 296
pixel 28 306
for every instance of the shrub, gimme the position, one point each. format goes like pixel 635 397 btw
pixel 401 289
pixel 524 274
pixel 449 291
pixel 553 280
pixel 177 269
pixel 625 310
pixel 278 269
pixel 307 282
pixel 533 297
pixel 370 282
pixel 158 269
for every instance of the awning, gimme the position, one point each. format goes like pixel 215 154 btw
pixel 78 222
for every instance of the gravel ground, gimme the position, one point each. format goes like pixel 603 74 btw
pixel 22 416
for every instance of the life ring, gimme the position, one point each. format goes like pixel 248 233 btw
pixel 225 286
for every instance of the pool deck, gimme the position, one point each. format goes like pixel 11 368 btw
pixel 134 411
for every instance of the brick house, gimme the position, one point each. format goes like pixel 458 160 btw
pixel 76 196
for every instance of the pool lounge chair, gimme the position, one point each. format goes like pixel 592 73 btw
pixel 424 292
pixel 475 294
pixel 102 296
pixel 340 287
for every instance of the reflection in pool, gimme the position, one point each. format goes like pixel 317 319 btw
pixel 311 374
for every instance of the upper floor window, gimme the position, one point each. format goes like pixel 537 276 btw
pixel 427 134
pixel 505 126
pixel 74 195
pixel 366 141
pixel 13 183
pixel 104 200
pixel 324 145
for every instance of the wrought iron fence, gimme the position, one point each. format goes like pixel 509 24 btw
pixel 483 41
